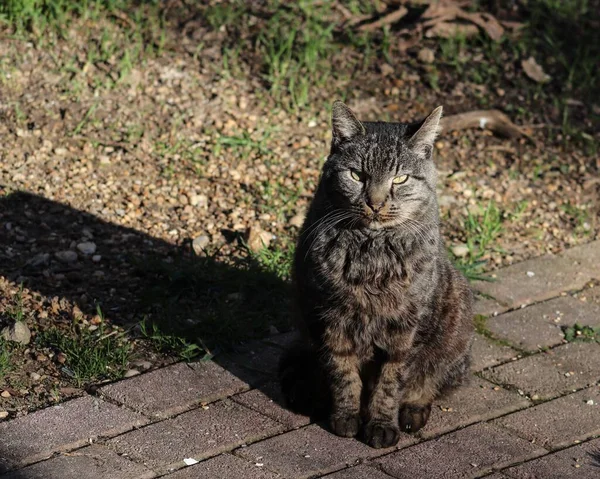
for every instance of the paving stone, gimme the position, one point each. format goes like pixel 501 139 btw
pixel 284 340
pixel 175 389
pixel 588 255
pixel 487 353
pixel 225 466
pixel 552 275
pixel 268 401
pixel 197 434
pixel 580 462
pixel 465 453
pixel 358 472
pixel 539 326
pixel 67 426
pixel 560 422
pixel 552 373
pixel 487 306
pixel 93 462
pixel 590 295
pixel 311 451
pixel 259 356
pixel 477 401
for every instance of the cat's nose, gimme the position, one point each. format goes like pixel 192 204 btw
pixel 375 204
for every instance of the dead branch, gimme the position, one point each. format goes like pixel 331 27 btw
pixel 493 120
pixel 388 19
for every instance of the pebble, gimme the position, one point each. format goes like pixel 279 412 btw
pixel 5 394
pixel 17 332
pixel 460 250
pixel 96 258
pixel 199 200
pixel 131 372
pixel 200 243
pixel 35 377
pixel 297 220
pixel 87 247
pixel 39 259
pixel 3 414
pixel 142 364
pixel 66 256
pixel 426 55
pixel 257 239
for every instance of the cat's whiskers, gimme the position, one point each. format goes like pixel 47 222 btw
pixel 326 227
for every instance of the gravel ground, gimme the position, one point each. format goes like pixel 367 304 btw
pixel 103 189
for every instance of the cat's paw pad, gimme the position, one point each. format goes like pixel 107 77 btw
pixel 381 434
pixel 413 418
pixel 345 425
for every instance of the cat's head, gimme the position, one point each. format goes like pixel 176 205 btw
pixel 382 173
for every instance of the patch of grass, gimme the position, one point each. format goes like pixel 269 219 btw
pixel 245 144
pixel 481 230
pixel 89 355
pixel 170 344
pixel 277 260
pixel 16 311
pixel 5 354
pixel 578 332
pixel 579 217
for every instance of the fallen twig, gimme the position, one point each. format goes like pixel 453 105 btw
pixel 388 19
pixel 493 120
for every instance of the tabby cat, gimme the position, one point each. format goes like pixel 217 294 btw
pixel 386 318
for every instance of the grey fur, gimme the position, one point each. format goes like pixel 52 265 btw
pixel 386 317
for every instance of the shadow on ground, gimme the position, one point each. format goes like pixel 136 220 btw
pixel 137 276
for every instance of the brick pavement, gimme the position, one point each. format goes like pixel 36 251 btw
pixel 532 409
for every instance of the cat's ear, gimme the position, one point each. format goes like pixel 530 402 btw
pixel 344 123
pixel 422 141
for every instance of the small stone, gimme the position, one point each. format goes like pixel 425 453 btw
pixel 39 260
pixel 199 200
pixel 426 55
pixel 257 239
pixel 60 151
pixel 5 394
pixel 17 332
pixel 460 250
pixel 142 364
pixel 273 331
pixel 41 358
pixel 200 243
pixel 3 414
pixel 590 402
pixel 35 377
pixel 297 220
pixel 131 372
pixel 96 258
pixel 66 256
pixel 87 248
pixel 530 274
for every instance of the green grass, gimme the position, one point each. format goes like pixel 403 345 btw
pixel 16 311
pixel 276 260
pixel 481 229
pixel 578 332
pixel 90 355
pixel 170 344
pixel 5 355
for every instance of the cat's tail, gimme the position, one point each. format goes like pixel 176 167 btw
pixel 303 382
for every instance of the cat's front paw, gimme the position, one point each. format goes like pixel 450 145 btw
pixel 381 434
pixel 412 418
pixel 345 424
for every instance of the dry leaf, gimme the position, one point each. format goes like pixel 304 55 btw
pixel 451 30
pixel 493 120
pixel 534 71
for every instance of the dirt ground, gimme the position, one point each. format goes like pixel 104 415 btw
pixel 133 189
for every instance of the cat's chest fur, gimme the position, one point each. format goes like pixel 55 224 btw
pixel 369 276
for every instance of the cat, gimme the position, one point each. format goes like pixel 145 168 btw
pixel 386 319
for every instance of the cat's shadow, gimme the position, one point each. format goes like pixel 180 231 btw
pixel 131 276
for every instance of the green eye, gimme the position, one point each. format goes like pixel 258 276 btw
pixel 356 176
pixel 398 180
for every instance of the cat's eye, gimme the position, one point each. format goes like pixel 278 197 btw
pixel 356 175
pixel 398 180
